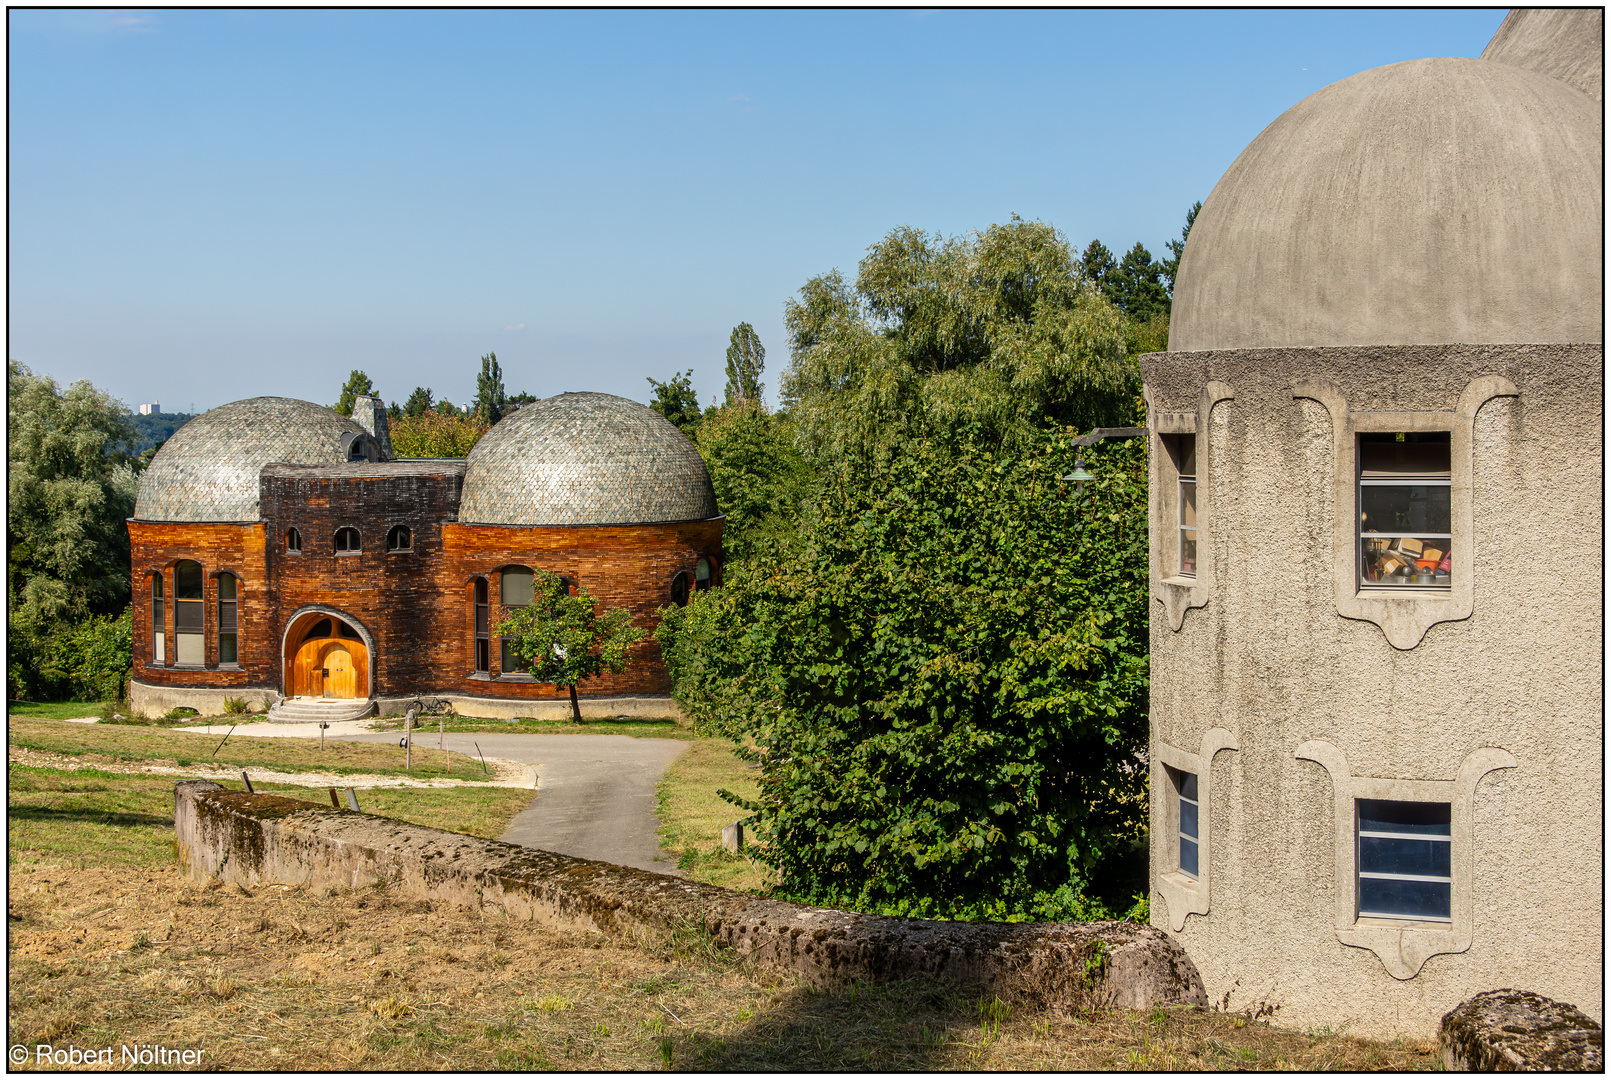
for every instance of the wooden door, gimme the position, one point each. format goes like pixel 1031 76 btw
pixel 337 668
pixel 307 677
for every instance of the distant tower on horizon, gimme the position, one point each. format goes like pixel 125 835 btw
pixel 154 407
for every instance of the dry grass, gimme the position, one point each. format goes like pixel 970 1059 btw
pixel 280 979
pixel 692 815
pixel 94 742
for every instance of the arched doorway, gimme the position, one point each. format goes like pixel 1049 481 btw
pixel 326 658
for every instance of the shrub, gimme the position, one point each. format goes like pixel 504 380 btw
pixel 234 706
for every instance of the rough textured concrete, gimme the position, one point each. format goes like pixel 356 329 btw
pixel 595 793
pixel 647 706
pixel 1519 1031
pixel 1431 201
pixel 1564 43
pixel 255 839
pixel 1271 659
pixel 155 700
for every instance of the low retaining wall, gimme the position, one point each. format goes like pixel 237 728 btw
pixel 155 700
pixel 647 706
pixel 257 839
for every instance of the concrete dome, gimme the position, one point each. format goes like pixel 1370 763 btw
pixel 585 459
pixel 208 469
pixel 1429 202
pixel 1564 43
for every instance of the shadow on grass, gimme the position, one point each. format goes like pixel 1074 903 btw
pixel 89 816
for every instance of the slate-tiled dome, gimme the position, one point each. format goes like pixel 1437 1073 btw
pixel 585 459
pixel 208 469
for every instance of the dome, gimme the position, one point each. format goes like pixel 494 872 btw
pixel 1563 43
pixel 208 469
pixel 585 459
pixel 1429 202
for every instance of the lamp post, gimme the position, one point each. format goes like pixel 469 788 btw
pixel 1081 474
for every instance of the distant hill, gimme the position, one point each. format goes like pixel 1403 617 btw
pixel 155 428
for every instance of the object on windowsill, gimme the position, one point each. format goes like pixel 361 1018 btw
pixel 1409 545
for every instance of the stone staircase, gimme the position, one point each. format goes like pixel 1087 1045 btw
pixel 310 710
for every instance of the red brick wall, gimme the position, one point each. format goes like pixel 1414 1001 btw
pixel 154 548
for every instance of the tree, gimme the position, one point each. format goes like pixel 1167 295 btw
pixel 490 401
pixel 357 384
pixel 564 639
pixel 999 329
pixel 420 401
pixel 517 400
pixel 946 681
pixel 677 402
pixel 1141 294
pixel 1099 268
pixel 758 472
pixel 1171 265
pixel 436 434
pixel 746 359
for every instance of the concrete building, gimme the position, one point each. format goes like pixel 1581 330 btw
pixel 1377 740
pixel 280 551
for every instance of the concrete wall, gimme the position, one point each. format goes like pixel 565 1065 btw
pixel 1274 664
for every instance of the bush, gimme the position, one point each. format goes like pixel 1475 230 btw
pixel 234 706
pixel 946 682
pixel 89 660
pixel 436 435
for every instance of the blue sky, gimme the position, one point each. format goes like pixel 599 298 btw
pixel 207 206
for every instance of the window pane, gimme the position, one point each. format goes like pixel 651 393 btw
pixel 1407 899
pixel 156 584
pixel 1188 856
pixel 1187 783
pixel 1186 454
pixel 188 615
pixel 1422 818
pixel 1188 503
pixel 159 653
pixel 1405 560
pixel 1381 855
pixel 1188 818
pixel 1404 508
pixel 187 580
pixel 480 590
pixel 509 660
pixel 679 590
pixel 226 649
pixel 702 573
pixel 1422 453
pixel 226 586
pixel 1188 551
pixel 226 618
pixel 481 619
pixel 189 648
pixel 517 586
pixel 481 655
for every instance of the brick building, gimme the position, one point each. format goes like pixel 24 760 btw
pixel 280 552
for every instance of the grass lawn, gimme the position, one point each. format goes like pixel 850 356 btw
pixel 637 727
pixel 118 743
pixel 692 815
pixel 53 710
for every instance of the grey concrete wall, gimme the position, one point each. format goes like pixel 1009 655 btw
pixel 256 839
pixel 1270 658
pixel 648 706
pixel 154 700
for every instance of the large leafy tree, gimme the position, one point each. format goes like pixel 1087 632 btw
pixel 490 400
pixel 999 329
pixel 677 402
pixel 746 359
pixel 758 472
pixel 357 384
pixel 565 639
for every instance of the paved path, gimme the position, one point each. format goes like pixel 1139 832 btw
pixel 595 793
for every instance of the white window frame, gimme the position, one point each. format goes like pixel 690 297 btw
pixel 1361 875
pixel 1361 482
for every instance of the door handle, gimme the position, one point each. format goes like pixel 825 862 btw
pixel 325 672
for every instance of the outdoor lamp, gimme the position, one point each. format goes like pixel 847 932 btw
pixel 1080 474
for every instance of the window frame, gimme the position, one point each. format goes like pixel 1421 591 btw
pixel 1362 875
pixel 232 623
pixel 293 541
pixel 688 589
pixel 159 620
pixel 1430 479
pixel 405 549
pixel 506 668
pixel 351 550
pixel 480 626
pixel 197 614
pixel 1167 432
pixel 1184 894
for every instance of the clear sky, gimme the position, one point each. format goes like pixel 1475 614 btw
pixel 206 206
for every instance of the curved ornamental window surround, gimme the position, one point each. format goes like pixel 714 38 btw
pixel 348 541
pixel 400 538
pixel 189 611
pixel 228 619
pixel 516 588
pixel 293 540
pixel 159 626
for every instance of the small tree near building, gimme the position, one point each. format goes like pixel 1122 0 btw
pixel 357 384
pixel 564 639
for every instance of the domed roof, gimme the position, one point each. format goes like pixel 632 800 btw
pixel 585 459
pixel 1427 202
pixel 208 469
pixel 1564 43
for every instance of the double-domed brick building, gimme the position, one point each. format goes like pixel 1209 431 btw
pixel 280 551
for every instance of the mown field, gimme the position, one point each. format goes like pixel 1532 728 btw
pixel 109 944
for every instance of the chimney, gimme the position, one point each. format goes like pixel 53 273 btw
pixel 370 412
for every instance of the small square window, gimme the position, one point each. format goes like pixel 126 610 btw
pixel 1404 859
pixel 1404 510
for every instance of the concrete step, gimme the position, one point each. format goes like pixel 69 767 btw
pixel 314 710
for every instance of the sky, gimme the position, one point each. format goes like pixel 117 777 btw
pixel 213 205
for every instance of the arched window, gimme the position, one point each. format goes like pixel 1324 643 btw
pixel 481 650
pixel 400 539
pixel 680 587
pixel 348 541
pixel 702 573
pixel 159 627
pixel 228 620
pixel 517 586
pixel 293 540
pixel 189 613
